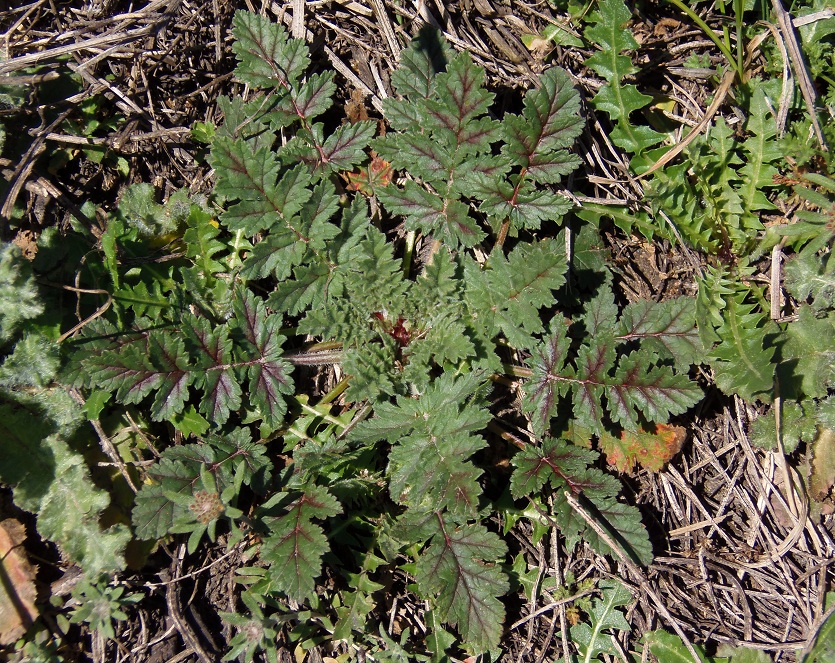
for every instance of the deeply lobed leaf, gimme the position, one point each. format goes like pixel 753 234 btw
pixel 168 364
pixel 296 545
pixel 458 571
pixel 628 388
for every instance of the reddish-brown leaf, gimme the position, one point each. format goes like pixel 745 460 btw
pixel 17 594
pixel 651 449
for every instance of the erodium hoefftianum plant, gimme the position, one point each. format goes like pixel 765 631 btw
pixel 335 343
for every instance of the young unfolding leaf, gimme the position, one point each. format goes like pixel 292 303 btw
pixel 433 439
pixel 143 300
pixel 201 241
pixel 509 291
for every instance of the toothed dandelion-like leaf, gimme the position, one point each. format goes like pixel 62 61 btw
pixel 609 30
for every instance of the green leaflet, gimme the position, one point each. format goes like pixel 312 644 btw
pixel 430 471
pixel 666 328
pixel 138 209
pixel 296 545
pixel 452 137
pixel 593 639
pixel 434 438
pixel 266 57
pixel 359 603
pixel 201 242
pixel 458 571
pixel 509 291
pixel 564 466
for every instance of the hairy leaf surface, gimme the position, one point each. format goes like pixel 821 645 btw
pixel 296 544
pixel 458 571
pixel 625 388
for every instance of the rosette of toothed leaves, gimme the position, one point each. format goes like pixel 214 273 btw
pixel 201 511
pixel 100 602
